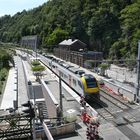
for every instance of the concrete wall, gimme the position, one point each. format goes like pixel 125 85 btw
pixel 50 101
pixel 64 129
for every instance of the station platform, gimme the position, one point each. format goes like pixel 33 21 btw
pixel 9 95
pixel 107 131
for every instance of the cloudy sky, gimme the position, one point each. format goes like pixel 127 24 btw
pixel 11 7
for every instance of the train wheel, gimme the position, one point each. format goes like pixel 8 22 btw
pixel 98 96
pixel 87 97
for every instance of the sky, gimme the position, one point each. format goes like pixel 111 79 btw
pixel 11 7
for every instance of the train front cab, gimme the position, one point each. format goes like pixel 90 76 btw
pixel 91 87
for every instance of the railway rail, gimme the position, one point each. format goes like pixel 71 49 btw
pixel 116 101
pixel 103 109
pixel 114 110
pixel 108 106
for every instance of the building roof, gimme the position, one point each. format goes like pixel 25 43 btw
pixel 70 42
pixel 92 53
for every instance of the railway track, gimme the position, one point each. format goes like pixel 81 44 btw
pixel 105 114
pixel 102 108
pixel 108 106
pixel 116 101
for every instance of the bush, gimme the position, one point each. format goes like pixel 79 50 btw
pixel 1 86
pixel 38 68
pixel 104 67
pixel 35 63
pixel 3 74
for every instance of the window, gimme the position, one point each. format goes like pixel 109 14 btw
pixel 60 74
pixel 65 76
pixel 80 84
pixel 91 83
pixel 74 82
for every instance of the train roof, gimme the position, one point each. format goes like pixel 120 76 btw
pixel 88 76
pixel 71 68
pixel 76 70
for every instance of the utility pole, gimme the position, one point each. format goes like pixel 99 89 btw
pixel 17 89
pixel 60 89
pixel 36 48
pixel 34 106
pixel 138 74
pixel 32 93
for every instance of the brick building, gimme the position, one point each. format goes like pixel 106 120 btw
pixel 75 52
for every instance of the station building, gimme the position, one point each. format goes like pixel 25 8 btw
pixel 76 52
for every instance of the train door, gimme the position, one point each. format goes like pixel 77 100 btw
pixel 70 80
pixel 80 87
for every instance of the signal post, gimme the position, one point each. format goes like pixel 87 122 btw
pixel 91 122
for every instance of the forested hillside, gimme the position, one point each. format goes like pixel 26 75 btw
pixel 111 26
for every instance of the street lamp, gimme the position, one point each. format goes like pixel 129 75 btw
pixel 138 74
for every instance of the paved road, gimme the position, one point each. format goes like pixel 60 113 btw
pixel 12 89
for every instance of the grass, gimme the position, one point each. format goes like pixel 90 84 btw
pixel 3 79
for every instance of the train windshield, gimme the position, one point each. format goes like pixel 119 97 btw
pixel 91 82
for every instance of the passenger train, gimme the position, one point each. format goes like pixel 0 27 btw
pixel 85 84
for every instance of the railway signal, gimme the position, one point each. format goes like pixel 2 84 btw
pixel 92 131
pixel 91 122
pixel 83 102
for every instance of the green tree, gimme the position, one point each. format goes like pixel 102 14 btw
pixel 111 26
pixel 104 67
pixel 5 58
pixel 38 69
pixel 128 41
pixel 35 63
pixel 57 36
pixel 3 74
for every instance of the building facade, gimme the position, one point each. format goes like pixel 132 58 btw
pixel 30 41
pixel 76 52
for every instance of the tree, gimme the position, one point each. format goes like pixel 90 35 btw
pixel 35 63
pixel 104 67
pixel 57 36
pixel 130 30
pixel 3 74
pixel 104 25
pixel 38 69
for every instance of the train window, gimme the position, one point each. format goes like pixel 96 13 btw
pixel 74 82
pixel 79 83
pixel 65 76
pixel 60 74
pixel 91 83
pixel 53 66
